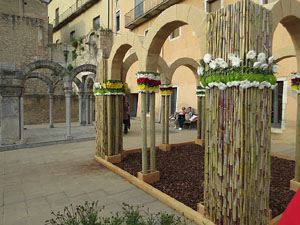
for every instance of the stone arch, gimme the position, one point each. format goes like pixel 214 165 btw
pixel 120 48
pixel 163 68
pixel 45 64
pixel 43 78
pixel 78 83
pixel 90 79
pixel 170 19
pixel 287 12
pixel 83 68
pixel 185 61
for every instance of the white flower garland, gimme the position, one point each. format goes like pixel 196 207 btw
pixel 242 84
pixel 109 93
pixel 200 92
pixel 149 76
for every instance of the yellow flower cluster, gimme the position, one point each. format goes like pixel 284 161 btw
pixel 111 85
pixel 166 92
pixel 296 87
pixel 143 87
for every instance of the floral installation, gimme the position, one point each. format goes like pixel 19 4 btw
pixel 218 73
pixel 166 89
pixel 200 92
pixel 148 82
pixel 110 87
pixel 295 78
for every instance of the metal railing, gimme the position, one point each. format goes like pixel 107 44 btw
pixel 141 9
pixel 72 9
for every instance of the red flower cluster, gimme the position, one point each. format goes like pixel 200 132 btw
pixel 296 80
pixel 147 81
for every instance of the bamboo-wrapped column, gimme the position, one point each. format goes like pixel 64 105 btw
pixel 296 89
pixel 297 161
pixel 144 133
pixel 152 132
pixel 199 122
pixel 163 119
pixel 166 92
pixel 167 114
pixel 148 83
pixel 202 118
pixel 110 125
pixel 238 118
pixel 117 125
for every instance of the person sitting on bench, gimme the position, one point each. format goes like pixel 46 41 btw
pixel 181 117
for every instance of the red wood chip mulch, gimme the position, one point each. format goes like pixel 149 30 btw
pixel 182 175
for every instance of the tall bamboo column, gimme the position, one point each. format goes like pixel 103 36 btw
pixel 152 132
pixel 167 114
pixel 238 122
pixel 144 133
pixel 163 119
pixel 166 92
pixel 295 183
pixel 201 116
pixel 297 161
pixel 148 82
pixel 199 108
pixel 109 125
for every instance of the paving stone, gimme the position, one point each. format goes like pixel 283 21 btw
pixel 13 197
pixel 14 213
pixel 1 216
pixel 80 199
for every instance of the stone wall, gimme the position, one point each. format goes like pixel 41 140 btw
pixel 36 109
pixel 23 39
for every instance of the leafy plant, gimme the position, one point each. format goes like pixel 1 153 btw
pixel 89 214
pixel 74 43
pixel 80 40
pixel 74 55
pixel 70 67
pixel 81 48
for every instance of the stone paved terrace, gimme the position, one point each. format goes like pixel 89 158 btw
pixel 35 181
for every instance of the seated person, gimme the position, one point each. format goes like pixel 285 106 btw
pixel 181 117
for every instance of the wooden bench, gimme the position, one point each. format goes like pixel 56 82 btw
pixel 190 124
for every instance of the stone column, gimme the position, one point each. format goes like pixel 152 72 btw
pixel 81 109
pixel 51 124
pixel 11 104
pixel 68 93
pixel 21 120
pixel 86 98
pixel 91 110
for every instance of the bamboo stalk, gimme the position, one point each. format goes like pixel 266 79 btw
pixel 144 133
pixel 152 132
pixel 199 121
pixel 117 124
pixel 167 106
pixel 109 125
pixel 297 160
pixel 163 120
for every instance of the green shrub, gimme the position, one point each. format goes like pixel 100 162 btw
pixel 81 48
pixel 89 214
pixel 70 67
pixel 74 55
pixel 74 43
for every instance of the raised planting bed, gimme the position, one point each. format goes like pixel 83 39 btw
pixel 182 175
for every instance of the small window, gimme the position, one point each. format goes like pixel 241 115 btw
pixel 118 20
pixel 96 22
pixel 146 32
pixel 72 35
pixel 56 16
pixel 213 5
pixel 175 34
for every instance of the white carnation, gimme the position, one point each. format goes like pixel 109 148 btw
pixel 275 68
pixel 264 66
pixel 261 57
pixel 97 85
pixel 251 55
pixel 207 58
pixel 271 60
pixel 219 60
pixel 200 70
pixel 236 62
pixel 257 65
pixel 231 56
pixel 255 84
pixel 223 65
pixel 221 86
pixel 213 64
